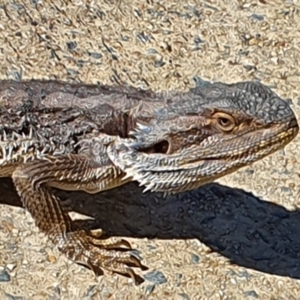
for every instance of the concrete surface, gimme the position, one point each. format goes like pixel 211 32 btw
pixel 241 244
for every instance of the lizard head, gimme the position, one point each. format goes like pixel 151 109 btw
pixel 205 134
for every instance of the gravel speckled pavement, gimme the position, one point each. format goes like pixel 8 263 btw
pixel 244 242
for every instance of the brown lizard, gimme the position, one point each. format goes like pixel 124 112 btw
pixel 95 137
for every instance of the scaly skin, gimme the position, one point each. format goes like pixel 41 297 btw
pixel 94 138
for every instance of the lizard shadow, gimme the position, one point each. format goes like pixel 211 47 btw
pixel 248 231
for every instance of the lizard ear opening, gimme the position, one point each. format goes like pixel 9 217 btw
pixel 160 147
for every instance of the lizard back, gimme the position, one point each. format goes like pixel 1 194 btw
pixel 39 117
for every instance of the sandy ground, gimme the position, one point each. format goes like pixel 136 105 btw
pixel 234 244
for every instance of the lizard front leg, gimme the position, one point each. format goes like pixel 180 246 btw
pixel 34 181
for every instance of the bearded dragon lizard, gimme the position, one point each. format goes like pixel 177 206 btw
pixel 96 137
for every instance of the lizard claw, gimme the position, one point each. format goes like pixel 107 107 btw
pixel 83 248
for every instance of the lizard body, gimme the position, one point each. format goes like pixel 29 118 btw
pixel 95 137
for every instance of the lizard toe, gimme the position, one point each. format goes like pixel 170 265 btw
pixel 97 254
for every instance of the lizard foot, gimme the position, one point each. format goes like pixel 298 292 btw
pixel 111 255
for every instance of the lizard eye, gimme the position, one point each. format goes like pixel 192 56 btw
pixel 224 121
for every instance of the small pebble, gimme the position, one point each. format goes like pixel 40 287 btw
pixel 184 296
pixel 10 267
pixel 195 258
pixel 52 258
pixel 156 277
pixel 4 276
pixel 12 297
